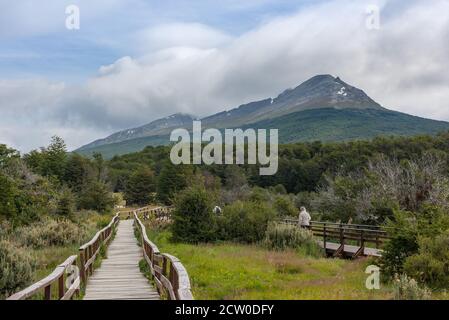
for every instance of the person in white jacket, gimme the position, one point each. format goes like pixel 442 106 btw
pixel 304 218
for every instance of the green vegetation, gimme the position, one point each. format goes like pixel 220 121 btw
pixel 283 236
pixel 399 183
pixel 245 221
pixel 30 253
pixel 418 246
pixel 238 271
pixel 172 179
pixel 140 186
pixel 406 288
pixel 43 197
pixel 16 266
pixel 325 124
pixel 193 216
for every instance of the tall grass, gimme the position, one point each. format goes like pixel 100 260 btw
pixel 281 236
pixel 238 271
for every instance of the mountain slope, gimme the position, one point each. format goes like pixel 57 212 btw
pixel 326 124
pixel 322 108
pixel 348 124
pixel 322 91
pixel 157 127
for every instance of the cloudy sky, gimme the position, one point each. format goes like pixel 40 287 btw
pixel 133 61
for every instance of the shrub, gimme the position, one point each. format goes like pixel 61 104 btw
pixel 245 221
pixel 8 192
pixel 49 232
pixel 193 219
pixel 405 228
pixel 140 186
pixel 431 264
pixel 96 196
pixel 5 229
pixel 66 203
pixel 172 179
pixel 281 236
pixel 406 288
pixel 16 268
pixel 285 206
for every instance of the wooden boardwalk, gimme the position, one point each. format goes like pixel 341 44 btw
pixel 119 277
pixel 351 250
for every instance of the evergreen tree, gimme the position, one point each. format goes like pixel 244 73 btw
pixel 55 158
pixel 172 179
pixel 140 187
pixel 7 197
pixel 77 171
pixel 193 217
pixel 96 196
pixel 66 203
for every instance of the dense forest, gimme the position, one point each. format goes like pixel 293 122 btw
pixel 399 182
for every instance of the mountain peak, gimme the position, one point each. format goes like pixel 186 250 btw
pixel 326 91
pixel 181 115
pixel 322 91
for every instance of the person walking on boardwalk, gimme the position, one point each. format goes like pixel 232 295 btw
pixel 304 218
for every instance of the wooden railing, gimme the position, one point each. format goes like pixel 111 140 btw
pixel 158 213
pixel 59 276
pixel 344 234
pixel 167 271
pixel 89 251
pixel 87 255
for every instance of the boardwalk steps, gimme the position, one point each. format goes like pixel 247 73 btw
pixel 119 276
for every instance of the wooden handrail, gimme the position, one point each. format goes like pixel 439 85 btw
pixel 88 252
pixel 361 226
pixel 56 276
pixel 361 233
pixel 168 272
pixel 87 255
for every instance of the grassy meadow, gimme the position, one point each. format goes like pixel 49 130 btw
pixel 236 271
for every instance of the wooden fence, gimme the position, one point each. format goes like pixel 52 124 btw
pixel 347 234
pixel 69 269
pixel 59 276
pixel 89 251
pixel 169 274
pixel 161 214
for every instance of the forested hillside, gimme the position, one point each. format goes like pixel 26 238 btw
pixel 398 182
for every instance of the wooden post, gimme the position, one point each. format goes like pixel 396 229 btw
pixel 362 240
pixel 47 292
pixel 342 236
pixel 82 266
pixel 90 254
pixel 324 236
pixel 61 286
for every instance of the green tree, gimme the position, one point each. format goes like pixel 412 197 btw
pixel 6 155
pixel 77 171
pixel 172 179
pixel 56 156
pixel 66 203
pixel 285 206
pixel 193 217
pixel 96 196
pixel 140 187
pixel 8 192
pixel 50 161
pixel 245 221
pixel 100 167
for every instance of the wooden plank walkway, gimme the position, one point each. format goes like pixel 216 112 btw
pixel 119 277
pixel 349 249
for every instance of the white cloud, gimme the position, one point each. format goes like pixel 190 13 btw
pixel 191 67
pixel 180 35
